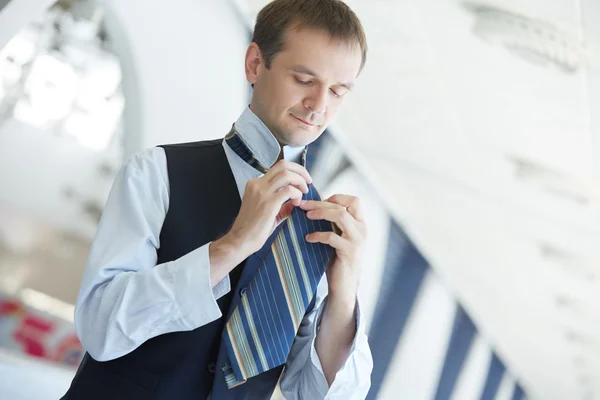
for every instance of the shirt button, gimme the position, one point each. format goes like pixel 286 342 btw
pixel 243 291
pixel 212 367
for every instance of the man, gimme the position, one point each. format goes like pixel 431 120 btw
pixel 189 292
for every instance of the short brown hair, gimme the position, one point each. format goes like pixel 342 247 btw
pixel 332 16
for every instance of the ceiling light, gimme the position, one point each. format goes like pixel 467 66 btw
pixel 19 50
pixel 570 262
pixel 580 361
pixel 583 380
pixel 558 183
pixel 531 39
pixel 564 302
pixel 577 338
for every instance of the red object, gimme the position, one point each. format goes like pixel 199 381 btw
pixel 32 333
pixel 8 307
pixel 69 351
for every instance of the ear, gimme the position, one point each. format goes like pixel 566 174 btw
pixel 254 63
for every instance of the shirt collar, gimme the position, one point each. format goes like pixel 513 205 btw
pixel 261 141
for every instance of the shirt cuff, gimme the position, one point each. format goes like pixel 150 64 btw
pixel 314 356
pixel 197 299
pixel 222 288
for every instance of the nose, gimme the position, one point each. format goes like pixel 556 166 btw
pixel 317 101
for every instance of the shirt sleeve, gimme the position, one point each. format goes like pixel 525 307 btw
pixel 303 377
pixel 125 298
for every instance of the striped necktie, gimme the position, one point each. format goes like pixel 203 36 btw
pixel 260 331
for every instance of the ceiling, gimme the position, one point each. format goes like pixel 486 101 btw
pixel 491 163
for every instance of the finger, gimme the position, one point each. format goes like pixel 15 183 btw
pixel 291 166
pixel 284 212
pixel 288 193
pixel 308 205
pixel 285 178
pixel 330 238
pixel 339 217
pixel 351 203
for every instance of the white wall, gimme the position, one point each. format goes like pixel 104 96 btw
pixel 183 68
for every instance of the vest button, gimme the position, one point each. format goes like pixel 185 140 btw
pixel 212 367
pixel 243 291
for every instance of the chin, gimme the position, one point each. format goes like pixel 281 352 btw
pixel 301 137
pixel 297 142
pixel 295 136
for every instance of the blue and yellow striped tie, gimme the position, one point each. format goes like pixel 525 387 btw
pixel 259 333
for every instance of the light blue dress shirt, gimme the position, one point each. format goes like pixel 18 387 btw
pixel 126 298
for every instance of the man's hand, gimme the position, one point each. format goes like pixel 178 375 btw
pixel 345 212
pixel 264 206
pixel 265 203
pixel 338 326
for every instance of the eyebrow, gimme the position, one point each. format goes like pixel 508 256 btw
pixel 303 70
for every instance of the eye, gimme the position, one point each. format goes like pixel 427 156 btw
pixel 301 82
pixel 339 91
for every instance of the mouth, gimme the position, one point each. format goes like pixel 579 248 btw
pixel 303 121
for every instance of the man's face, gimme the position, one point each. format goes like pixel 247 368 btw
pixel 303 90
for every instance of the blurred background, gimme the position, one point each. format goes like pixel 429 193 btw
pixel 472 138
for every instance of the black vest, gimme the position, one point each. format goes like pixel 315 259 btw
pixel 203 203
